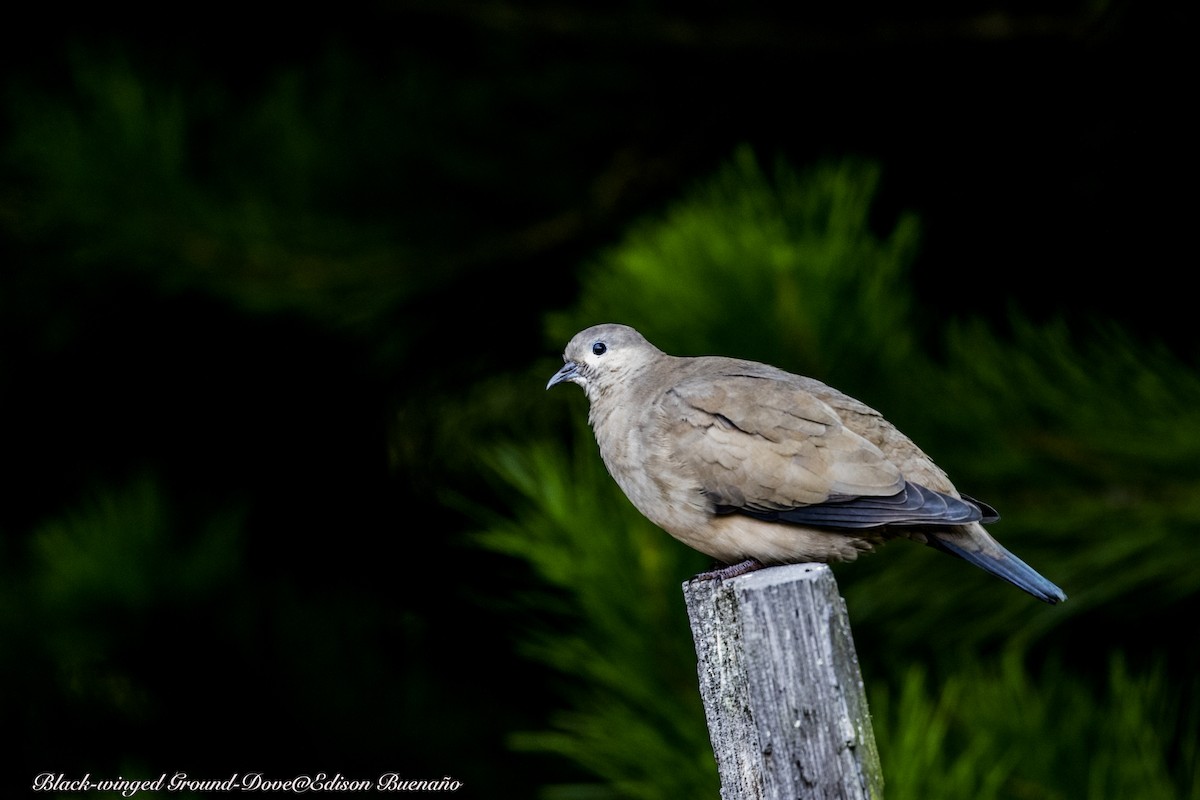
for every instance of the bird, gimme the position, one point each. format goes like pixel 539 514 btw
pixel 755 466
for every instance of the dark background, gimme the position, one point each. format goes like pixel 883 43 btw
pixel 478 153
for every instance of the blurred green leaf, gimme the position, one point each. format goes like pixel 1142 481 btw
pixel 968 735
pixel 784 268
pixel 123 550
pixel 616 632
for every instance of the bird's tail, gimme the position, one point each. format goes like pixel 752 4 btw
pixel 990 556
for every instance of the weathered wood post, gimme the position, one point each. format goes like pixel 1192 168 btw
pixel 787 713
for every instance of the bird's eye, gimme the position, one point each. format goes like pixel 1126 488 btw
pixel 599 348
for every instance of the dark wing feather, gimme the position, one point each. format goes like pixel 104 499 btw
pixel 913 505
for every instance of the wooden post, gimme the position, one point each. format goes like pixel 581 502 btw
pixel 787 713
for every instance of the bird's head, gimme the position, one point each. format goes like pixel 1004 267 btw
pixel 603 355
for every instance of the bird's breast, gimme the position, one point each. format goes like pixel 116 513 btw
pixel 643 466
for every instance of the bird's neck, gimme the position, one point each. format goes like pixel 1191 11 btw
pixel 625 398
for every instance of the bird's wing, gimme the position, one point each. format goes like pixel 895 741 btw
pixel 767 447
pixel 765 443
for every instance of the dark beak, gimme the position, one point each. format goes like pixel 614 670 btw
pixel 568 372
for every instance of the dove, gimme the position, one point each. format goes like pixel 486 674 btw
pixel 755 466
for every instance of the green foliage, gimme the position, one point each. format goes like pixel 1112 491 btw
pixel 635 717
pixel 192 187
pixel 119 552
pixel 165 226
pixel 996 731
pixel 101 576
pixel 746 252
pixel 1088 444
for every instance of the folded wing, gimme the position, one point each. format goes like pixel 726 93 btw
pixel 767 448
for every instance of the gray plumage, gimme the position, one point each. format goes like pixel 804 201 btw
pixel 744 461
